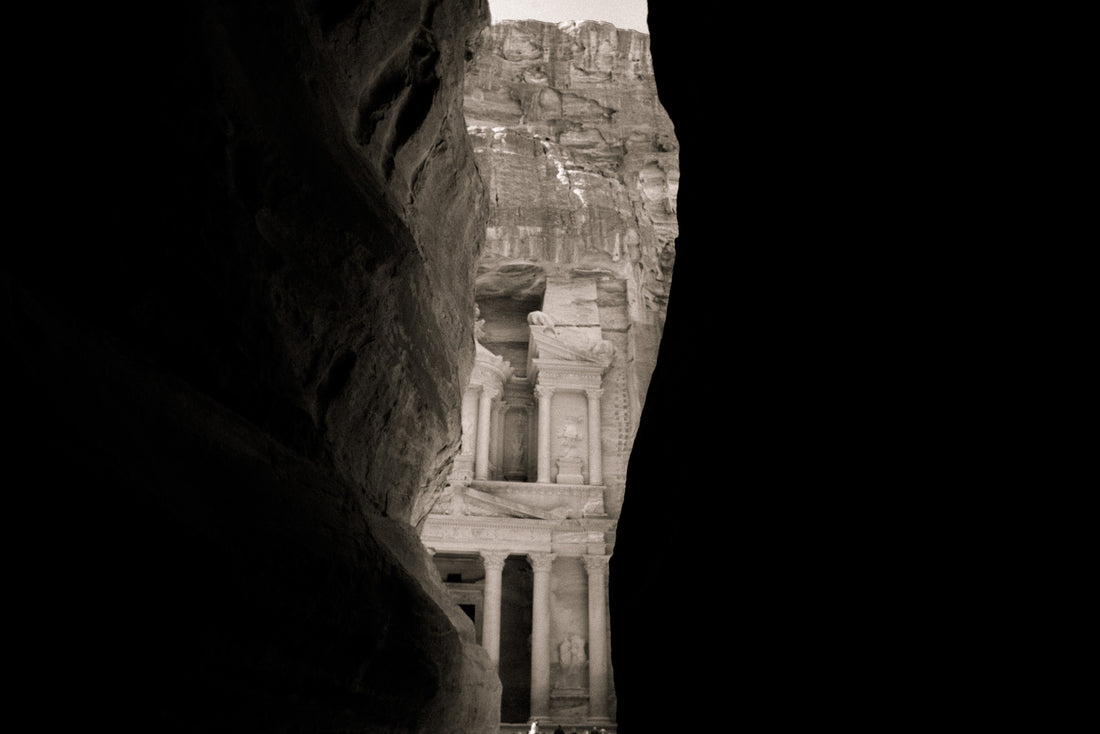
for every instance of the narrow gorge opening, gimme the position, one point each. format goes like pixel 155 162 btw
pixel 241 336
pixel 571 289
pixel 265 369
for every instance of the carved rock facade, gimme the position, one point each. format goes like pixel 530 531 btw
pixel 581 167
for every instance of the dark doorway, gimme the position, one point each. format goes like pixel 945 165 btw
pixel 515 640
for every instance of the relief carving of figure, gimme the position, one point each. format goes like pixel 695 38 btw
pixel 577 644
pixel 540 318
pixel 602 350
pixel 467 442
pixel 569 437
pixel 517 441
pixel 479 324
pixel 571 651
pixel 565 652
pixel 571 654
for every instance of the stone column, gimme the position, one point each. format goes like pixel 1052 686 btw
pixel 497 457
pixel 484 418
pixel 597 636
pixel 544 394
pixel 540 635
pixel 490 621
pixel 595 451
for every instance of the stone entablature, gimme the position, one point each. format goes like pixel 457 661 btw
pixel 559 501
pixel 564 375
pixel 448 534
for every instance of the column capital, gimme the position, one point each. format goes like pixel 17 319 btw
pixel 540 561
pixel 543 391
pixel 596 564
pixel 493 559
pixel 593 392
pixel 490 390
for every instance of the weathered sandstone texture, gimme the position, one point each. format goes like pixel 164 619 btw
pixel 240 340
pixel 581 164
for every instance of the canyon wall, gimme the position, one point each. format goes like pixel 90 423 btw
pixel 240 337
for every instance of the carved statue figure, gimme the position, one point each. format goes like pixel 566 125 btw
pixel 571 651
pixel 577 643
pixel 467 441
pixel 516 449
pixel 565 652
pixel 569 436
pixel 479 324
pixel 540 318
pixel 602 350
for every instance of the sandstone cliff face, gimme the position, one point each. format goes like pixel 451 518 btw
pixel 240 352
pixel 581 165
pixel 579 157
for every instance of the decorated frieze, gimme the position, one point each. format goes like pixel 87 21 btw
pixel 449 534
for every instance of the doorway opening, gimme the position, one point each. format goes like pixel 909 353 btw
pixel 515 639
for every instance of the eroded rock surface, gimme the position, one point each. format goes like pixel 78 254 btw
pixel 240 350
pixel 579 156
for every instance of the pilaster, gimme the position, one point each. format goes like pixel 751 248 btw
pixel 484 423
pixel 596 566
pixel 545 395
pixel 541 564
pixel 595 450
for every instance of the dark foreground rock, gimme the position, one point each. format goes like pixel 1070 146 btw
pixel 240 340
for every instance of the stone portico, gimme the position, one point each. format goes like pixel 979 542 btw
pixel 522 536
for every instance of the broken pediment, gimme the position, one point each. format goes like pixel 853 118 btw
pixel 489 368
pixel 565 344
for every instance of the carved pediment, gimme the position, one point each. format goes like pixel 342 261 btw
pixel 549 342
pixel 552 346
pixel 489 368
